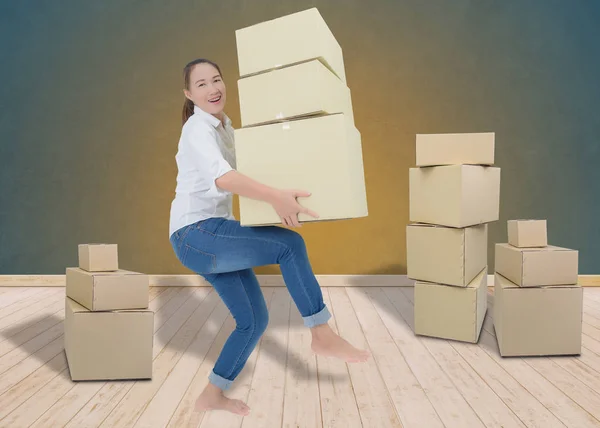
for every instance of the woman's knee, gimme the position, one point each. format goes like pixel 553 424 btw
pixel 261 322
pixel 294 240
pixel 254 322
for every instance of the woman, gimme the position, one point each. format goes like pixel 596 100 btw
pixel 209 241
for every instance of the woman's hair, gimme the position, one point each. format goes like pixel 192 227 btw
pixel 188 105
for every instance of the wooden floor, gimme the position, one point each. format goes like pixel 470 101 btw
pixel 410 381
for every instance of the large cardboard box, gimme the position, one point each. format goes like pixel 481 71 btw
pixel 288 40
pixel 446 255
pixel 105 291
pixel 321 155
pixel 533 267
pixel 448 312
pixel 527 233
pixel 454 195
pixel 537 321
pixel 455 149
pixel 108 345
pixel 300 90
pixel 98 257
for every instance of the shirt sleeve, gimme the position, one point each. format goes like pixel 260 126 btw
pixel 206 154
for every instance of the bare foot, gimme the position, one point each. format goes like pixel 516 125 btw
pixel 327 343
pixel 212 398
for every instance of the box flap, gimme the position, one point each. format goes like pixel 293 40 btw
pixel 75 307
pixel 503 282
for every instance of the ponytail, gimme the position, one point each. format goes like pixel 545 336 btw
pixel 188 110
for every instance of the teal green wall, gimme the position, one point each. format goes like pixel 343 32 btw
pixel 90 106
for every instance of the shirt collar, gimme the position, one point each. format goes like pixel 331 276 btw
pixel 214 121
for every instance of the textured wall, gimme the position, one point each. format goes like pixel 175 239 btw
pixel 90 106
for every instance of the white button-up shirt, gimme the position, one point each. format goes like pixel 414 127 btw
pixel 205 152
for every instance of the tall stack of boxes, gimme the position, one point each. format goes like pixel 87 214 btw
pixel 109 330
pixel 454 194
pixel 538 304
pixel 298 127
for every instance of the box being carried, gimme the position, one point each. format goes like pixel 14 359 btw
pixel 322 155
pixel 300 90
pixel 288 40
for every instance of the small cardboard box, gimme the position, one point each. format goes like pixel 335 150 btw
pixel 108 345
pixel 448 312
pixel 538 321
pixel 321 155
pixel 455 149
pixel 454 195
pixel 105 291
pixel 98 257
pixel 305 89
pixel 446 255
pixel 527 233
pixel 533 267
pixel 288 40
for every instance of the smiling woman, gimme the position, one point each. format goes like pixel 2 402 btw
pixel 208 93
pixel 207 239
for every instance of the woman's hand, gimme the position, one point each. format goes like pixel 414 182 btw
pixel 287 207
pixel 284 201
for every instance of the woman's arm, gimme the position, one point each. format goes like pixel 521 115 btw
pixel 284 201
pixel 243 185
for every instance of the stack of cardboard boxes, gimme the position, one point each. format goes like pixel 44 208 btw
pixel 297 120
pixel 109 330
pixel 538 304
pixel 454 193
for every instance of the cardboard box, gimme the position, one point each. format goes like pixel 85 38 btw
pixel 321 155
pixel 537 321
pixel 533 267
pixel 105 291
pixel 454 195
pixel 300 90
pixel 108 345
pixel 446 255
pixel 288 40
pixel 527 233
pixel 98 257
pixel 455 149
pixel 448 312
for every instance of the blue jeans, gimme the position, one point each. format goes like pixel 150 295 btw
pixel 224 253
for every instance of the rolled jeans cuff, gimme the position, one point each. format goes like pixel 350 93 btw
pixel 219 381
pixel 320 317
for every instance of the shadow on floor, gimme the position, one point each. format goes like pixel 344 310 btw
pixel 37 337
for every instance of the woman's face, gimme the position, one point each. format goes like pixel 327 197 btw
pixel 207 89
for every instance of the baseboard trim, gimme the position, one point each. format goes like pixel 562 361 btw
pixel 264 280
pixel 188 280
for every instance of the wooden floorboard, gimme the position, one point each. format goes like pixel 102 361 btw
pixel 410 381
